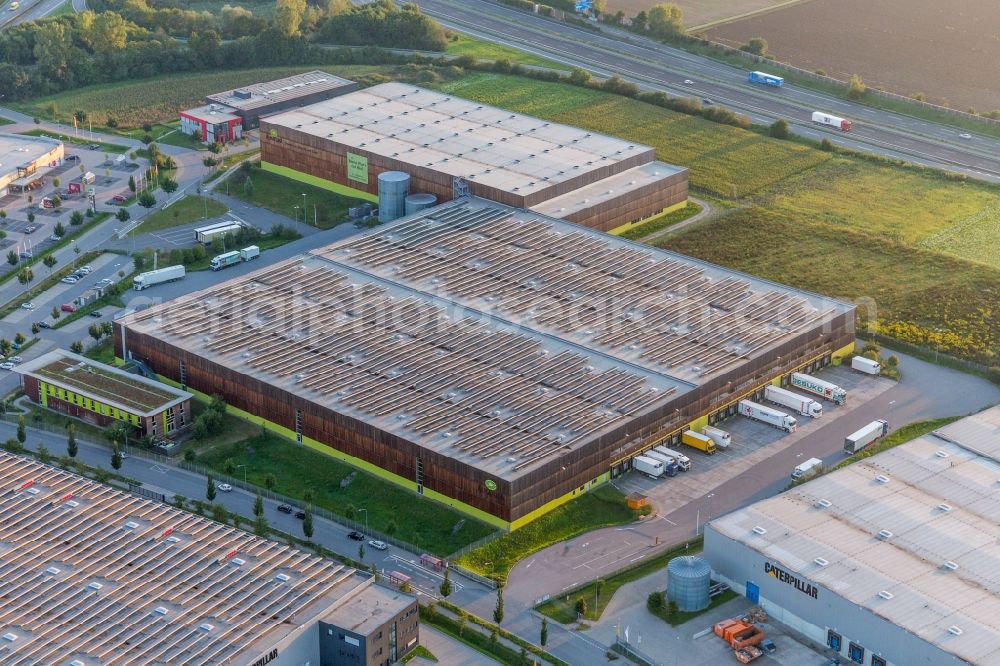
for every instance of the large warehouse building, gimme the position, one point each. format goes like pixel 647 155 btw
pixel 92 576
pixel 22 156
pixel 891 561
pixel 565 172
pixel 492 358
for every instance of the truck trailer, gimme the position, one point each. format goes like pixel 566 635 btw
pixel 819 387
pixel 866 436
pixel 249 253
pixel 721 438
pixel 205 234
pixel 866 365
pixel 159 276
pixel 827 120
pixel 778 419
pixel 670 465
pixel 807 469
pixel 648 466
pixel 683 462
pixel 800 403
pixel 698 441
pixel 765 78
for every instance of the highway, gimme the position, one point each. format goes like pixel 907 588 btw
pixel 655 66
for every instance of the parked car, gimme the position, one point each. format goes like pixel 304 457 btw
pixel 86 270
pixel 357 536
pixel 225 487
pixel 119 199
pixel 15 359
pixel 768 646
pixel 68 307
pixel 706 101
pixel 69 279
pixel 284 508
pixel 688 82
pixel 28 306
pixel 44 324
pixel 7 365
pixel 105 282
pixel 53 237
pixel 96 314
pixel 377 545
pixel 72 158
pixel 31 229
pixel 94 146
pixel 300 514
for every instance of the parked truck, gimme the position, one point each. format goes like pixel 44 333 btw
pixel 670 466
pixel 698 441
pixel 221 261
pixel 159 276
pixel 866 365
pixel 807 469
pixel 207 233
pixel 819 387
pixel 866 436
pixel 721 438
pixel 800 403
pixel 778 419
pixel 827 120
pixel 249 253
pixel 648 466
pixel 765 78
pixel 683 462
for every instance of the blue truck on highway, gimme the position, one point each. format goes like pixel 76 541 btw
pixel 765 78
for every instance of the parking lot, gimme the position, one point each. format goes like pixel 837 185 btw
pixel 753 442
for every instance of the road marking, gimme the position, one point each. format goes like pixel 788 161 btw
pixel 528 566
pixel 158 468
pixel 665 519
pixel 636 559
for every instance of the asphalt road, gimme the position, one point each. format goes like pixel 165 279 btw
pixel 656 66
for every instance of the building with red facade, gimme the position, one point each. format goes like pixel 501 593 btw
pixel 212 122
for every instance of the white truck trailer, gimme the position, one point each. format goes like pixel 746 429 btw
pixel 683 462
pixel 159 276
pixel 865 437
pixel 809 468
pixel 721 438
pixel 670 465
pixel 799 403
pixel 819 387
pixel 648 466
pixel 821 118
pixel 758 412
pixel 249 253
pixel 866 365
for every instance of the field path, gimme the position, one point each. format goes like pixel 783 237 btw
pixel 706 209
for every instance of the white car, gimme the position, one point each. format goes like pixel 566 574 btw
pixel 53 237
pixel 225 487
pixel 965 136
pixel 86 270
pixel 14 359
pixel 105 282
pixel 378 545
pixel 6 366
pixel 688 82
pixel 27 306
pixel 69 279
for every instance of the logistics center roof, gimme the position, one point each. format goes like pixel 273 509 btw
pixel 18 149
pixel 911 534
pixel 92 575
pixel 490 334
pixel 133 393
pixel 508 151
pixel 258 95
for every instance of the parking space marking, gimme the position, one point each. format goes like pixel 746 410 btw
pixel 160 469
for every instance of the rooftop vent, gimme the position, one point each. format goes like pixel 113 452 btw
pixel 823 504
pixel 955 630
pixel 951 566
pixel 885 594
pixel 131 524
pixel 282 578
pixel 239 561
pixel 95 585
pixel 160 610
pixel 72 504
pixel 205 626
pixel 53 570
pixel 759 530
pixel 76 662
pixel 173 539
pixel 10 636
pixel 821 561
pixel 944 507
pixel 882 478
pixel 32 491
pixel 884 534
pixel 941 454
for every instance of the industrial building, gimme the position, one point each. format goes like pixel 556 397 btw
pixel 92 575
pixel 22 156
pixel 450 146
pixel 77 386
pixel 489 357
pixel 890 561
pixel 251 102
pixel 213 123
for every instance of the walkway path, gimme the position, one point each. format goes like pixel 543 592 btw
pixel 706 210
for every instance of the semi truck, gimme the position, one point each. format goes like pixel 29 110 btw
pixel 825 119
pixel 698 441
pixel 865 436
pixel 778 419
pixel 159 276
pixel 670 466
pixel 683 462
pixel 721 438
pixel 866 365
pixel 206 234
pixel 807 469
pixel 765 78
pixel 221 261
pixel 819 387
pixel 800 403
pixel 648 466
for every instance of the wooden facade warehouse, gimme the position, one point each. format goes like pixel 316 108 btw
pixel 447 350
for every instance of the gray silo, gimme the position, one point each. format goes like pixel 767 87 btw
pixel 688 580
pixel 418 202
pixel 393 186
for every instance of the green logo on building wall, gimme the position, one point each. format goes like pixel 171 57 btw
pixel 357 168
pixel 491 484
pixel 274 133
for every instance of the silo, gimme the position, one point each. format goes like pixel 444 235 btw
pixel 393 186
pixel 688 580
pixel 417 202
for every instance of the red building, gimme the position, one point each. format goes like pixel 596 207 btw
pixel 213 122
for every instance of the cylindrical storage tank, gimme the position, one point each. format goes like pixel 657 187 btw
pixel 393 186
pixel 417 202
pixel 688 580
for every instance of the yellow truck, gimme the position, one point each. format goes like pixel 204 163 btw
pixel 698 441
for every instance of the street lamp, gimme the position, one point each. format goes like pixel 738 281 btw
pixel 366 520
pixel 244 473
pixel 296 213
pixel 892 410
pixel 304 214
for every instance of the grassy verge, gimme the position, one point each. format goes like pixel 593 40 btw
pixel 41 417
pixel 79 140
pixel 661 222
pixel 460 44
pixel 598 593
pixel 344 490
pixel 6 121
pixel 419 651
pixel 183 211
pixel 901 436
pixel 282 195
pixel 102 352
pixel 602 507
pixel 231 159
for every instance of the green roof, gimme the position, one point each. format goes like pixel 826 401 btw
pixel 107 384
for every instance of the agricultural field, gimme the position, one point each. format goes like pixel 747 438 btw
pixel 701 13
pixel 946 51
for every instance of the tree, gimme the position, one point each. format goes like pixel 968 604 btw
pixel 25 276
pixel 445 588
pixel 49 261
pixel 258 506
pixel 76 218
pixel 779 129
pixel 270 481
pixel 579 77
pixel 543 638
pixel 307 523
pixel 498 611
pixel 76 347
pixel 757 46
pixel 169 185
pixel 31 217
pixel 19 339
pixel 855 87
pixel 55 312
pixel 3 214
pixel 35 328
pixel 43 453
pixel 95 332
pixel 391 528
pixel 210 489
pixel 123 215
pixel 672 610
pixel 146 199
pixel 288 17
pixel 80 116
pixel 131 184
pixel 5 347
pixel 581 607
pixel 56 182
pixel 260 526
pixel 666 20
pixel 12 258
pixel 59 230
pixel 21 432
pixel 71 447
pixel 138 262
pixel 220 514
pixel 57 202
pixel 654 602
pixel 116 456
